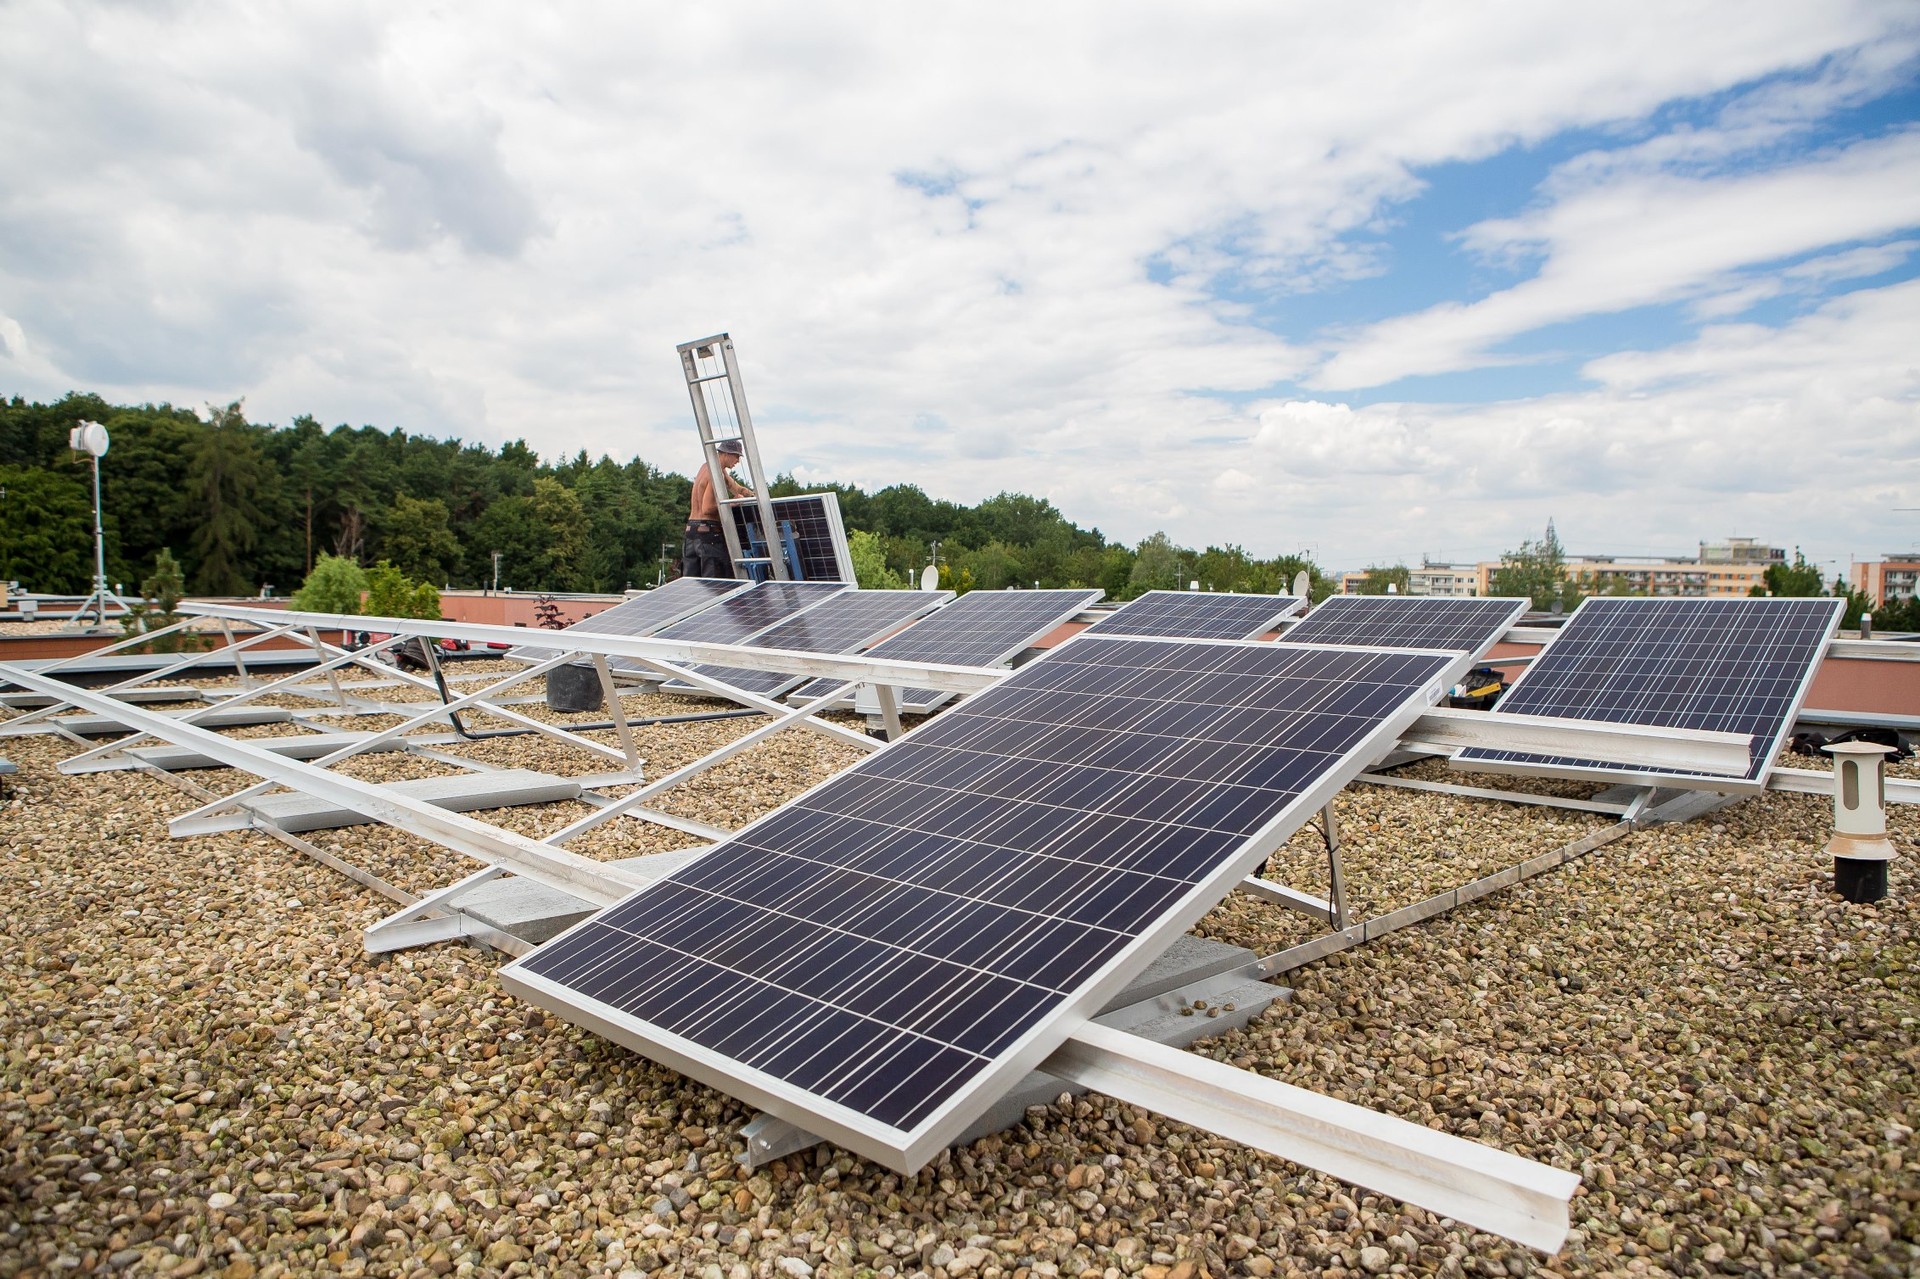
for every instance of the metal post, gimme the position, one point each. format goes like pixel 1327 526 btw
pixel 99 546
pixel 1336 873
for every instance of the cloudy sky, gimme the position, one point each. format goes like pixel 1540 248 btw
pixel 1370 280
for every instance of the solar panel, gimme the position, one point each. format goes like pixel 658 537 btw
pixel 646 613
pixel 1735 665
pixel 981 628
pixel 880 958
pixel 1193 615
pixel 818 535
pixel 737 617
pixel 1470 626
pixel 843 623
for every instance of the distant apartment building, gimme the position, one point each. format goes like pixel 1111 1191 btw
pixel 1741 550
pixel 1894 576
pixel 1728 569
pixel 1455 581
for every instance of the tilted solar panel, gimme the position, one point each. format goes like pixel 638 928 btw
pixel 1194 615
pixel 736 617
pixel 1734 665
pixel 1469 626
pixel 843 623
pixel 818 535
pixel 644 614
pixel 981 628
pixel 879 959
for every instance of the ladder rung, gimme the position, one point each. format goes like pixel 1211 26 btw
pixel 711 377
pixel 738 501
pixel 754 559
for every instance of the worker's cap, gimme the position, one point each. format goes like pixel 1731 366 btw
pixel 729 447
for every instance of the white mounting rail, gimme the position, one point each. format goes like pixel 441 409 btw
pixel 556 868
pixel 1444 728
pixel 1439 727
pixel 956 679
pixel 1496 1191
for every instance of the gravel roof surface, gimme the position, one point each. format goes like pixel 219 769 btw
pixel 204 1073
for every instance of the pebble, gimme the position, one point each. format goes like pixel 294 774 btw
pixel 223 1083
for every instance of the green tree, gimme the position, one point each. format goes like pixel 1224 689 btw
pixel 391 593
pixel 1792 581
pixel 993 567
pixel 225 478
pixel 1156 567
pixel 46 530
pixel 335 586
pixel 1859 603
pixel 1379 578
pixel 416 537
pixel 159 606
pixel 870 563
pixel 1538 570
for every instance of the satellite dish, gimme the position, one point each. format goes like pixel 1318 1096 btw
pixel 1302 584
pixel 88 437
pixel 930 578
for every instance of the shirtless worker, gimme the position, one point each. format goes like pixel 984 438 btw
pixel 703 551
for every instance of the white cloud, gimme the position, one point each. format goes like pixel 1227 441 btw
pixel 497 221
pixel 1639 241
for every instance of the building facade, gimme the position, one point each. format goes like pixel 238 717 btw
pixel 1723 570
pixel 1894 576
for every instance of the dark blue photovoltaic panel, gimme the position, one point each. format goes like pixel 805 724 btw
pixel 843 623
pixel 1730 665
pixel 981 628
pixel 1409 621
pixel 1197 615
pixel 814 519
pixel 753 610
pixel 644 614
pixel 880 942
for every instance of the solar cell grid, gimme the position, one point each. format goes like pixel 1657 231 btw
pixel 1401 621
pixel 871 958
pixel 981 628
pixel 843 623
pixel 818 534
pixel 1197 615
pixel 736 617
pixel 1735 665
pixel 644 614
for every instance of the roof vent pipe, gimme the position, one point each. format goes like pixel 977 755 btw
pixel 1859 846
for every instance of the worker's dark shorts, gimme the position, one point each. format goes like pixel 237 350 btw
pixel 703 552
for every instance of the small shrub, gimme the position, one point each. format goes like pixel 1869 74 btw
pixel 334 586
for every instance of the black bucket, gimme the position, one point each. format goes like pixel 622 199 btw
pixel 574 688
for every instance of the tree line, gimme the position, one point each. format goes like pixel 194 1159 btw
pixel 242 505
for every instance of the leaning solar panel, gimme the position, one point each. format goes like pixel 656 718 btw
pixel 878 960
pixel 644 614
pixel 1193 615
pixel 843 623
pixel 818 535
pixel 1470 626
pixel 737 617
pixel 1738 665
pixel 981 628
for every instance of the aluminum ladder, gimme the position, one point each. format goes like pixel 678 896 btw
pixel 713 383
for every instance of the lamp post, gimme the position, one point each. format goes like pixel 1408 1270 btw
pixel 91 438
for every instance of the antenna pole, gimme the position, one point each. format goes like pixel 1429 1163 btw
pixel 99 546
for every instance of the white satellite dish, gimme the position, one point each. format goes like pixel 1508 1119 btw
pixel 1302 584
pixel 88 437
pixel 930 578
